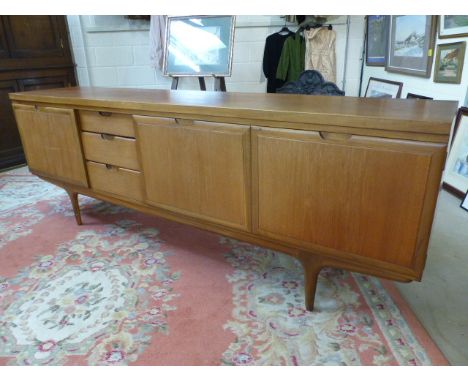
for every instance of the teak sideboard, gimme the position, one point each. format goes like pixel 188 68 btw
pixel 338 182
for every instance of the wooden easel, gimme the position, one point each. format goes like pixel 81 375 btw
pixel 219 83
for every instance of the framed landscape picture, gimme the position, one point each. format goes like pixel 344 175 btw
pixel 453 26
pixel 456 167
pixel 379 88
pixel 449 62
pixel 377 39
pixel 411 44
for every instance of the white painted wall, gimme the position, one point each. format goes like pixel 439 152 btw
pixel 120 58
pixel 425 86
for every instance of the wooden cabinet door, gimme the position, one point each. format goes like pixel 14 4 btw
pixel 200 169
pixel 3 41
pixel 51 142
pixel 35 36
pixel 11 152
pixel 370 197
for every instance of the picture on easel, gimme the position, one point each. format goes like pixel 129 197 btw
pixel 199 46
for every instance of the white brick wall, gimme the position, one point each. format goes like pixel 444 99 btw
pixel 121 58
pixel 79 50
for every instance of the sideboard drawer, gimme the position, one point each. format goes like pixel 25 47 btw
pixel 107 122
pixel 105 148
pixel 115 180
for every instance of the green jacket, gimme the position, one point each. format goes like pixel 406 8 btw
pixel 291 63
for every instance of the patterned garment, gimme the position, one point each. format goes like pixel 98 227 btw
pixel 130 289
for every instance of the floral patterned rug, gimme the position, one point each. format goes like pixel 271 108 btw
pixel 131 289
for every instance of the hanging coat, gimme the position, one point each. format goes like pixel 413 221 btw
pixel 320 52
pixel 157 40
pixel 271 56
pixel 291 63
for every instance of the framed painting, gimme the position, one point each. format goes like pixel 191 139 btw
pixel 464 203
pixel 456 168
pixel 417 96
pixel 453 26
pixel 377 39
pixel 411 45
pixel 199 46
pixel 449 62
pixel 379 88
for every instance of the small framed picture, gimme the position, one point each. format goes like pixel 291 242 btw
pixel 453 26
pixel 456 168
pixel 449 62
pixel 464 203
pixel 379 88
pixel 377 39
pixel 411 45
pixel 417 96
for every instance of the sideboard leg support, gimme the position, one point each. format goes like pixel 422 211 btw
pixel 76 207
pixel 312 267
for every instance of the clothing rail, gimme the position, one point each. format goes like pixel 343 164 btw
pixel 275 24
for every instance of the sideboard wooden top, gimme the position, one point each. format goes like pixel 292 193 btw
pixel 409 115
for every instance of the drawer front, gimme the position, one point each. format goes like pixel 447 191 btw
pixel 115 180
pixel 110 149
pixel 105 122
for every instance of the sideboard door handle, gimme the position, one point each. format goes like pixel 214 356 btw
pixel 105 113
pixel 327 136
pixel 109 166
pixel 107 137
pixel 183 122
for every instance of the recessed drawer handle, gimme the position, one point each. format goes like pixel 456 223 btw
pixel 109 166
pixel 184 122
pixel 327 136
pixel 107 137
pixel 105 113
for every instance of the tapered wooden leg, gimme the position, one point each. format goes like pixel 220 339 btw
pixel 312 266
pixel 76 207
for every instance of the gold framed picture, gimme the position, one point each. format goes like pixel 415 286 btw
pixel 449 62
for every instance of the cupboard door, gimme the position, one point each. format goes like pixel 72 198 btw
pixel 11 152
pixel 35 36
pixel 3 42
pixel 51 142
pixel 371 197
pixel 200 169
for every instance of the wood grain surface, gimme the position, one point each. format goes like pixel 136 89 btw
pixel 388 114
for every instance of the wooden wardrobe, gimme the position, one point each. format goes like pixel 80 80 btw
pixel 34 54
